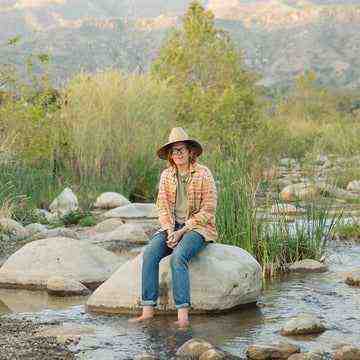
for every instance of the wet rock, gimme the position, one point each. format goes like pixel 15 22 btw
pixel 268 352
pixel 311 355
pixel 353 279
pixel 303 324
pixel 347 352
pixel 65 333
pixel 108 225
pixel 110 200
pixel 286 209
pixel 32 265
pixel 65 203
pixel 213 354
pixel 61 286
pixel 194 348
pixel 123 237
pixel 210 290
pixel 35 228
pixel 354 186
pixel 13 229
pixel 300 191
pixel 146 356
pixel 308 266
pixel 133 211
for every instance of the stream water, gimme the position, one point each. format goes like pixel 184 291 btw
pixel 112 337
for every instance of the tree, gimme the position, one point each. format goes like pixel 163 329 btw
pixel 215 93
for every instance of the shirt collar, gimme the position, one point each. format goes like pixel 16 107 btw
pixel 193 168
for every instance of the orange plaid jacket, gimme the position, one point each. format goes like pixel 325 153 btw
pixel 202 200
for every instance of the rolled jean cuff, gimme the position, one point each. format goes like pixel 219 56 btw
pixel 181 306
pixel 148 303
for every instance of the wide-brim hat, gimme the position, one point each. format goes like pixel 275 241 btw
pixel 176 135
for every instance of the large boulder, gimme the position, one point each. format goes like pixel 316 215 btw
pixel 32 265
pixel 123 237
pixel 133 211
pixel 110 200
pixel 222 277
pixel 65 203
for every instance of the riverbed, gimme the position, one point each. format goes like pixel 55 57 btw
pixel 112 337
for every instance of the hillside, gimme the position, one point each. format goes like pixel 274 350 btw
pixel 280 38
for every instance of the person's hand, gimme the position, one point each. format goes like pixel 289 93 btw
pixel 174 238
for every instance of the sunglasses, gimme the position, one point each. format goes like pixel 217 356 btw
pixel 178 151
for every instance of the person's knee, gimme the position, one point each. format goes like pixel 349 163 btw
pixel 177 260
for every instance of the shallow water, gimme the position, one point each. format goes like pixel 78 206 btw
pixel 324 294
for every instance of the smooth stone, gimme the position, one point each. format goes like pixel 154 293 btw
pixel 347 352
pixel 213 354
pixel 32 265
pixel 110 200
pixel 300 191
pixel 13 228
pixel 65 203
pixel 194 348
pixel 57 232
pixel 35 228
pixel 354 186
pixel 353 279
pixel 303 324
pixel 133 211
pixel 308 266
pixel 210 290
pixel 108 225
pixel 279 351
pixel 146 356
pixel 61 286
pixel 123 237
pixel 66 332
pixel 311 355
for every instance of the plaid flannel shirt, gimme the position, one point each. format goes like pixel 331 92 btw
pixel 202 200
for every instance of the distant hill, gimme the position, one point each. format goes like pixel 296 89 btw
pixel 280 38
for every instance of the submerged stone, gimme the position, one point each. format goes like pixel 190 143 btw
pixel 303 324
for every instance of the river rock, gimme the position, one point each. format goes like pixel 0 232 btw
pixel 61 286
pixel 13 228
pixel 308 266
pixel 268 352
pixel 65 203
pixel 300 191
pixel 213 354
pixel 35 228
pixel 108 225
pixel 146 356
pixel 310 355
pixel 133 211
pixel 110 200
pixel 303 324
pixel 286 209
pixel 124 236
pixel 194 348
pixel 347 352
pixel 353 278
pixel 210 289
pixel 354 186
pixel 32 265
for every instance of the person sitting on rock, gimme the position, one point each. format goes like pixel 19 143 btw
pixel 186 203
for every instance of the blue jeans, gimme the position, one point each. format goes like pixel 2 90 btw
pixel 189 245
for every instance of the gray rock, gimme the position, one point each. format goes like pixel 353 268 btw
pixel 133 211
pixel 35 228
pixel 146 356
pixel 347 352
pixel 13 229
pixel 353 278
pixel 32 265
pixel 194 348
pixel 279 351
pixel 65 203
pixel 210 289
pixel 354 186
pixel 61 286
pixel 300 191
pixel 108 225
pixel 303 324
pixel 110 200
pixel 308 266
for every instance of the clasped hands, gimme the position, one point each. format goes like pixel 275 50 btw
pixel 174 237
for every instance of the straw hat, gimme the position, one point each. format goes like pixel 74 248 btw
pixel 178 134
